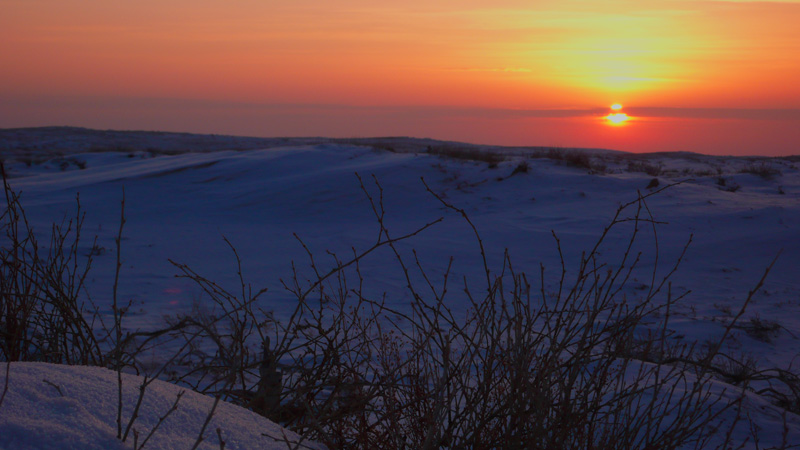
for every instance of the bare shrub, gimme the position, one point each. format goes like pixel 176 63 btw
pixel 469 154
pixel 727 185
pixel 222 339
pixel 761 329
pixel 111 148
pixel 576 158
pixel 42 314
pixel 701 172
pixel 528 367
pixel 763 170
pixel 653 170
pixel 522 167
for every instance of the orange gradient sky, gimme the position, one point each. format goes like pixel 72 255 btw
pixel 707 76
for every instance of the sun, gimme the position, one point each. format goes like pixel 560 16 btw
pixel 617 118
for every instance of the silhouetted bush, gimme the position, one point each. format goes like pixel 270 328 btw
pixel 576 158
pixel 763 170
pixel 469 154
pixel 42 312
pixel 644 167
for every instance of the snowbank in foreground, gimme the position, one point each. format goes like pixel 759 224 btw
pixel 50 406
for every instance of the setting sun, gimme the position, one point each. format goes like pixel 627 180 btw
pixel 617 118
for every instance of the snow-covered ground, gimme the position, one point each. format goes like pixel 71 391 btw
pixel 50 406
pixel 180 205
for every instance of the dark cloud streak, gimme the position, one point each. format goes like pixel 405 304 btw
pixel 140 103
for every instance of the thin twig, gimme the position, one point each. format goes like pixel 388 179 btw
pixel 161 419
pixel 8 375
pixel 118 318
pixel 55 386
pixel 206 422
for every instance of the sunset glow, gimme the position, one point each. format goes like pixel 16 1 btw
pixel 503 72
pixel 617 118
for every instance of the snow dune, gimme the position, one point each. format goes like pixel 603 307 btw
pixel 57 407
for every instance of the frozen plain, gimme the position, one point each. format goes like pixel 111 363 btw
pixel 180 204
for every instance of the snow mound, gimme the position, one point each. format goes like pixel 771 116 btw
pixel 51 406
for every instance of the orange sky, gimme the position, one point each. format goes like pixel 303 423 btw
pixel 484 71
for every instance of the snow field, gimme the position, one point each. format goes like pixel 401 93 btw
pixel 180 206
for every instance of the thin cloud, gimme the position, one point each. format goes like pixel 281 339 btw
pixel 420 111
pixel 717 113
